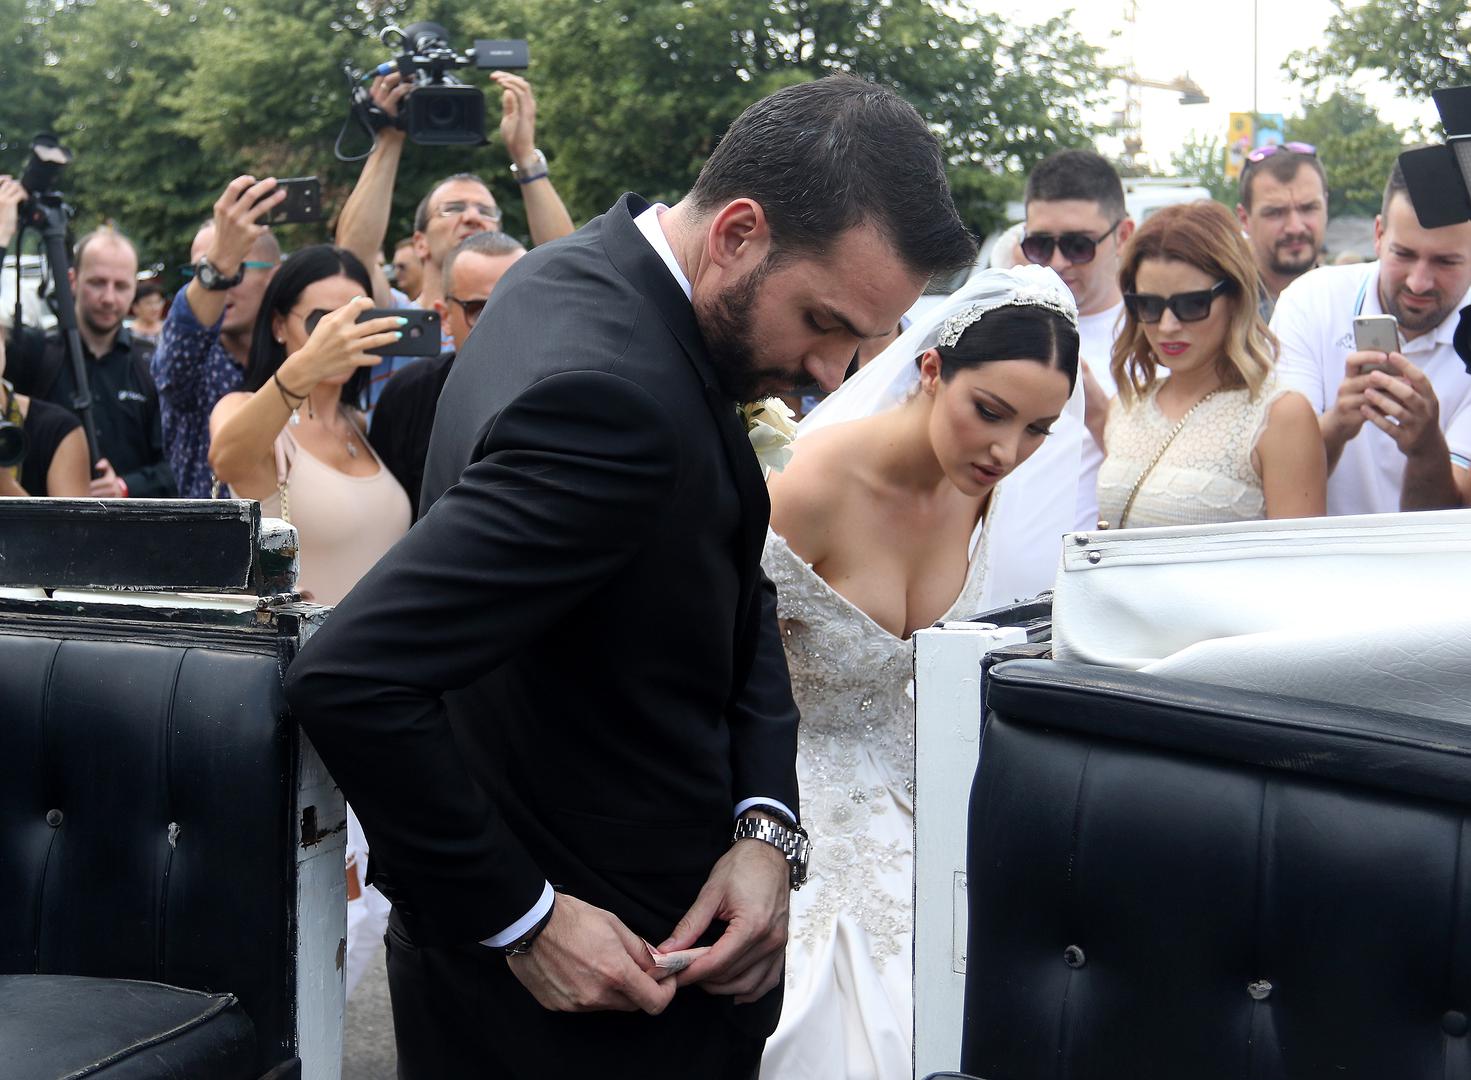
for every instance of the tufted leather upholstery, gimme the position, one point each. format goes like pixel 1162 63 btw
pixel 1169 879
pixel 145 833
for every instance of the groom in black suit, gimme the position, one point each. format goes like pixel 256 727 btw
pixel 550 700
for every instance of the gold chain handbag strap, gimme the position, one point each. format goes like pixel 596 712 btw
pixel 1143 476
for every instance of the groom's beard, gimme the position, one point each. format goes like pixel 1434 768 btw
pixel 725 324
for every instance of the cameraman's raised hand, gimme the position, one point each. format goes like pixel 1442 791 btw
pixel 11 196
pixel 518 118
pixel 546 216
pixel 388 92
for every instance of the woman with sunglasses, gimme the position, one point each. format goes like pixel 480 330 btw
pixel 1217 440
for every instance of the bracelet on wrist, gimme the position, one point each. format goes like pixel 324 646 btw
pixel 287 395
pixel 523 946
pixel 536 170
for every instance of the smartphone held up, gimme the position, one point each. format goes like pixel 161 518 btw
pixel 1376 333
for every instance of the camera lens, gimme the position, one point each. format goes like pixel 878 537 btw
pixel 12 444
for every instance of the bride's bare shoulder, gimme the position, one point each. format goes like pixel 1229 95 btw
pixel 808 496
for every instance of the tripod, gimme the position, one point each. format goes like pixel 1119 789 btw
pixel 49 213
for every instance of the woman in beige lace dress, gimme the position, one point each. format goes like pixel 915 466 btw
pixel 1218 440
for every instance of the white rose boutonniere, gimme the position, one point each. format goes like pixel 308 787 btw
pixel 771 427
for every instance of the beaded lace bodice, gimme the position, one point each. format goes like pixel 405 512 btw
pixel 852 681
pixel 1205 476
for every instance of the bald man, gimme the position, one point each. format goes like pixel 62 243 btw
pixel 205 343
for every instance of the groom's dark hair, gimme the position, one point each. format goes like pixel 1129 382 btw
pixel 821 157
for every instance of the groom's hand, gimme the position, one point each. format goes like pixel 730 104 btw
pixel 749 889
pixel 587 961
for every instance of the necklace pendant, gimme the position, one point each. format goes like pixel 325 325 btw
pixel 295 419
pixel 352 450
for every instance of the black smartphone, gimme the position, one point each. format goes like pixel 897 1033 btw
pixel 421 335
pixel 303 202
pixel 512 55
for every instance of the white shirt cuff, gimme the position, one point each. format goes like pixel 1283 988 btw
pixel 518 929
pixel 761 800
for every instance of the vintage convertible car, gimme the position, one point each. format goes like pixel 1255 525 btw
pixel 1203 812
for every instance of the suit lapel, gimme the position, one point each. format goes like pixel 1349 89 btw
pixel 640 264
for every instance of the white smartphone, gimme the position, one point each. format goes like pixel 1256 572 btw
pixel 1376 333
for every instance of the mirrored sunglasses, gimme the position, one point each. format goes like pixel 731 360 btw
pixel 1076 247
pixel 1187 306
pixel 1261 153
pixel 248 264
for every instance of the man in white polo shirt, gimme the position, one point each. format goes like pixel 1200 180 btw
pixel 1397 441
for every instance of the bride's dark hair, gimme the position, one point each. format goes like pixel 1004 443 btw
pixel 1015 332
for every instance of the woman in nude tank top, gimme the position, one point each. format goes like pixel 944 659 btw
pixel 294 437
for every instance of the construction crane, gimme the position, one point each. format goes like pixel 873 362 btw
pixel 1130 121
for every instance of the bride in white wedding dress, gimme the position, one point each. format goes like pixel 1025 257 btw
pixel 923 489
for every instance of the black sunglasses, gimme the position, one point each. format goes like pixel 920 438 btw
pixel 1077 248
pixel 1187 306
pixel 471 308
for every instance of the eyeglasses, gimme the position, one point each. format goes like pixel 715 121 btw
pixel 471 308
pixel 248 264
pixel 1187 306
pixel 488 211
pixel 1261 153
pixel 1076 247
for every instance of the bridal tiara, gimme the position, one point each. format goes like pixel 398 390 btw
pixel 962 320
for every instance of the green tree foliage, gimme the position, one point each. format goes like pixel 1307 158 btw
pixel 1204 157
pixel 28 101
pixel 163 101
pixel 1356 147
pixel 1416 45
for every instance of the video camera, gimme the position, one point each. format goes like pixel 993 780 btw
pixel 1439 177
pixel 442 111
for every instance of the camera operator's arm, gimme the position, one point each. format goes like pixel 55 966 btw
pixel 363 223
pixel 546 217
pixel 11 196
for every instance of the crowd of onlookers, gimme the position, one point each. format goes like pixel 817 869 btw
pixel 255 379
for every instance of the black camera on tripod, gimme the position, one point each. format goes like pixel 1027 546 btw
pixel 442 111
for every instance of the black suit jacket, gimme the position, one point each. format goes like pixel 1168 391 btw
pixel 570 669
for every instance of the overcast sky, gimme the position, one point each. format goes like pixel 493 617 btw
pixel 1212 41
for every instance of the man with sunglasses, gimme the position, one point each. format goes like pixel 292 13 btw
pixel 1076 223
pixel 205 341
pixel 1397 425
pixel 1284 212
pixel 404 416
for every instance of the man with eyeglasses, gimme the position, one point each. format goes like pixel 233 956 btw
pixel 404 416
pixel 1397 425
pixel 1284 212
pixel 1076 223
pixel 205 342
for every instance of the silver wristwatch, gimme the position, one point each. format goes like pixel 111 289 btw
pixel 790 840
